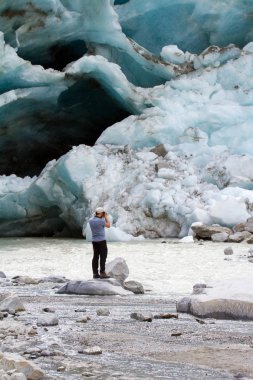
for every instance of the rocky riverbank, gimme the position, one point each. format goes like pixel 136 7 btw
pixel 73 337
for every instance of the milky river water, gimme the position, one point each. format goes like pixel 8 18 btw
pixel 168 269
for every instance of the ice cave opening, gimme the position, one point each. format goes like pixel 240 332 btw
pixel 57 56
pixel 44 126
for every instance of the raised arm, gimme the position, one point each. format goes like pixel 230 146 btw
pixel 107 221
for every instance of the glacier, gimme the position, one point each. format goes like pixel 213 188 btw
pixel 114 103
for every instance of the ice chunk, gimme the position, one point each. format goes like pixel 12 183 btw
pixel 172 53
pixel 229 211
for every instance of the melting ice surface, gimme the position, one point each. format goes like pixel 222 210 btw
pixel 196 99
pixel 166 269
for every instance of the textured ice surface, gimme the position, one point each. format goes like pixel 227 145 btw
pixel 192 91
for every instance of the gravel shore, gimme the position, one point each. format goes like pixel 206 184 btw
pixel 182 348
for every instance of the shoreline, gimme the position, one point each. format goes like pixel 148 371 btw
pixel 130 349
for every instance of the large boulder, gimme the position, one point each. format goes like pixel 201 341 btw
pixel 26 280
pixel 134 286
pixel 11 303
pixel 232 299
pixel 108 287
pixel 219 237
pixel 249 225
pixel 47 320
pixel 10 362
pixel 250 240
pixel 118 269
pixel 236 237
pixel 240 227
pixel 203 231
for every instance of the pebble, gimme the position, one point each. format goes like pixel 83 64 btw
pixel 142 317
pixel 61 369
pixel 96 350
pixel 165 316
pixel 103 312
pixel 228 251
pixel 47 321
pixel 84 319
pixel 48 310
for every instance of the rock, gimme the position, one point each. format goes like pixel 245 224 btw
pixel 84 319
pixel 16 362
pixel 11 303
pixel 205 232
pixel 219 237
pixel 199 288
pixel 94 287
pixel 118 269
pixel 32 331
pixel 141 317
pixel 2 274
pixel 18 376
pixel 57 279
pixel 96 350
pixel 236 238
pixel 250 240
pixel 61 369
pixel 32 350
pixel 249 225
pixel 200 321
pixel 134 286
pixel 246 235
pixel 48 310
pixel 239 227
pixel 228 251
pixel 232 299
pixel 25 280
pixel 183 306
pixel 176 334
pixel 250 260
pixel 165 316
pixel 103 312
pixel 4 375
pixel 47 320
pixel 82 310
pixel 159 150
pixel 45 353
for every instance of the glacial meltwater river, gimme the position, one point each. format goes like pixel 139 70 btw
pixel 169 269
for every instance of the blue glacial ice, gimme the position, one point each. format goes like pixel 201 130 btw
pixel 172 125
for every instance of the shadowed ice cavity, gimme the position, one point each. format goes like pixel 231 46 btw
pixel 47 122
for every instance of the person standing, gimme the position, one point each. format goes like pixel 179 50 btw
pixel 97 224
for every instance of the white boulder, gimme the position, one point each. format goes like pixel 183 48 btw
pixel 9 362
pixel 231 299
pixel 118 269
pixel 108 287
pixel 219 237
pixel 10 303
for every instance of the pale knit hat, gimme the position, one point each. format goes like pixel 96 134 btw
pixel 99 210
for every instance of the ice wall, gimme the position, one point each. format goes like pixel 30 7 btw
pixel 84 72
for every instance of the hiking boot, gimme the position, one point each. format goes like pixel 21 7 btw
pixel 96 276
pixel 104 275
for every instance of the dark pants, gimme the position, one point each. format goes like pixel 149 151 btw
pixel 99 252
